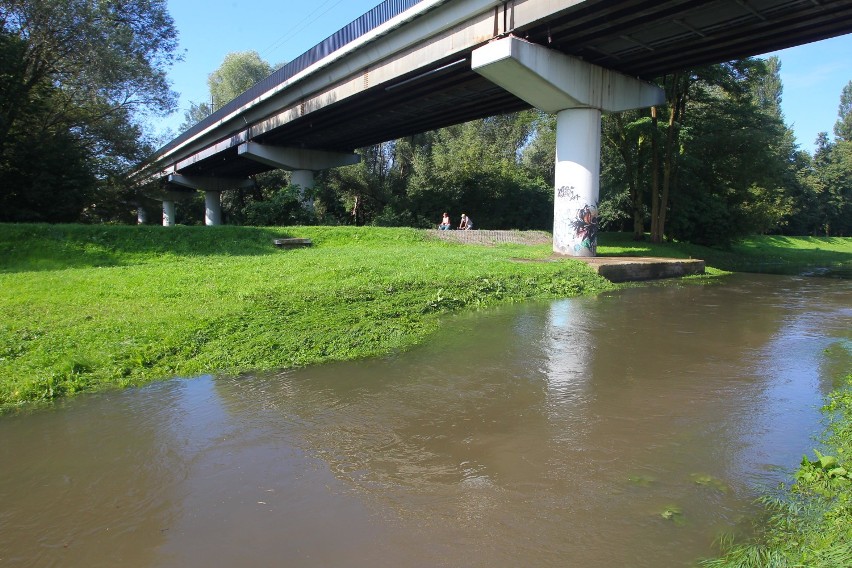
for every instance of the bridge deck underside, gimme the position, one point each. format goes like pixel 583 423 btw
pixel 644 38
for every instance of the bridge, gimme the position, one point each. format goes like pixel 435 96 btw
pixel 410 66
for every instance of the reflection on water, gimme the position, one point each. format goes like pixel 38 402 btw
pixel 627 429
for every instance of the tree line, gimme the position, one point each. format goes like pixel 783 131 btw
pixel 715 162
pixel 77 80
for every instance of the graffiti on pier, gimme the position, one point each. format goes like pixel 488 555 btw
pixel 567 192
pixel 585 226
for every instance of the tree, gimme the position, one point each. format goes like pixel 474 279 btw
pixel 77 78
pixel 538 156
pixel 477 168
pixel 106 58
pixel 195 114
pixel 677 94
pixel 625 153
pixel 843 126
pixel 720 164
pixel 831 181
pixel 238 71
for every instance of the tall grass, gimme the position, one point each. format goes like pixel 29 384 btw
pixel 811 523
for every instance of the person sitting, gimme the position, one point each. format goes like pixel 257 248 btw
pixel 466 223
pixel 445 222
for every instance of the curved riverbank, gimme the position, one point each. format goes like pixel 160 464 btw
pixel 92 307
pixel 89 307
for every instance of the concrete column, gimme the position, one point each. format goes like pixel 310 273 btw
pixel 212 188
pixel 302 178
pixel 212 208
pixel 168 213
pixel 141 216
pixel 577 187
pixel 577 92
pixel 305 180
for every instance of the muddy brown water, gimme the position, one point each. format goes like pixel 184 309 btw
pixel 630 429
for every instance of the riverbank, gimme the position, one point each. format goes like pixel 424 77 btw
pixel 766 253
pixel 85 308
pixel 89 307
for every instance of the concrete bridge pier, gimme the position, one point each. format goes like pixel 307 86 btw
pixel 168 213
pixel 212 208
pixel 301 161
pixel 212 188
pixel 578 93
pixel 577 181
pixel 170 199
pixel 304 179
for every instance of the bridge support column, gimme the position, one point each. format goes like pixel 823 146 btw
pixel 212 188
pixel 578 92
pixel 212 208
pixel 577 181
pixel 141 215
pixel 304 179
pixel 168 213
pixel 302 162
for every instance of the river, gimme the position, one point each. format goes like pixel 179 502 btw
pixel 628 429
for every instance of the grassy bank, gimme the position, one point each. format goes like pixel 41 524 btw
pixel 87 307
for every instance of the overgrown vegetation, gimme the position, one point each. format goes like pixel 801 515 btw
pixel 811 524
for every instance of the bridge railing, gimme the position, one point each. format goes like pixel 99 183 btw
pixel 349 33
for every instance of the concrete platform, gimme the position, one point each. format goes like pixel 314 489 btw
pixel 613 268
pixel 631 269
pixel 292 243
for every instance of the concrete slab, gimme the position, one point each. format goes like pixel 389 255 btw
pixel 292 243
pixel 613 268
pixel 631 269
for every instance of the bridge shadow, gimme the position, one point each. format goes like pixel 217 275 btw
pixel 42 247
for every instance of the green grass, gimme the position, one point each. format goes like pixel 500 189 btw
pixel 83 308
pixel 754 254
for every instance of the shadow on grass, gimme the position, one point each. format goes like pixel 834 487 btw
pixel 41 247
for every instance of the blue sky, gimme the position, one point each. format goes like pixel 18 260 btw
pixel 813 75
